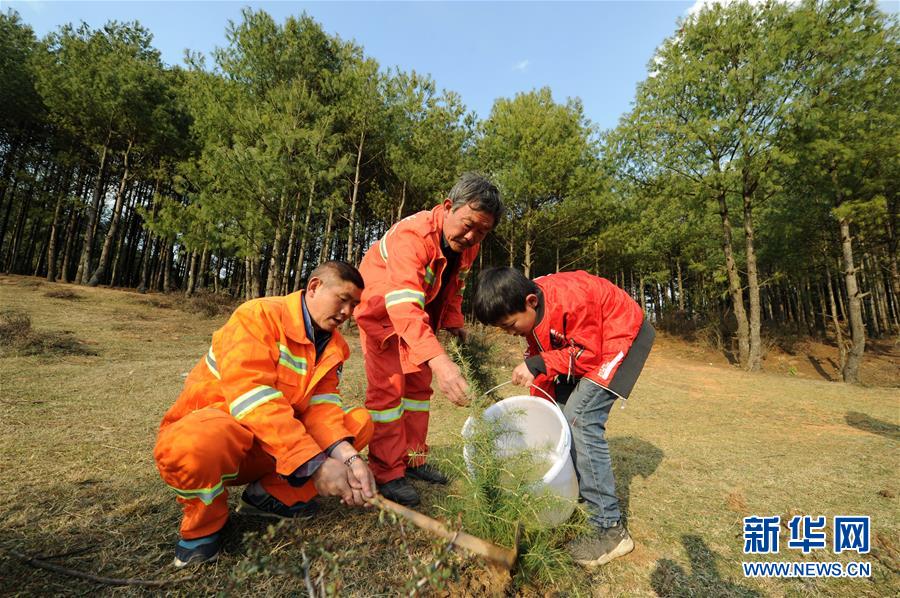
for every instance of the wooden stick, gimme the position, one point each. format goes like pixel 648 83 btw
pixel 498 555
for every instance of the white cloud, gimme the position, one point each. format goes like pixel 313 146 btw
pixel 522 65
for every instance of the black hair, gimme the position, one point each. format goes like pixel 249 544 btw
pixel 501 292
pixel 340 270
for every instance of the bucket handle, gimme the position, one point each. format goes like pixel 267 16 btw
pixel 546 394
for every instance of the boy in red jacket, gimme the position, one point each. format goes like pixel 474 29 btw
pixel 587 343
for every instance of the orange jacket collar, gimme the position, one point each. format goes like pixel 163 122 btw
pixel 292 319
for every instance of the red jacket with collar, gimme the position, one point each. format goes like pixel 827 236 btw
pixel 587 327
pixel 403 272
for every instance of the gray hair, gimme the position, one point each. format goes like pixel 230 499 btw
pixel 478 193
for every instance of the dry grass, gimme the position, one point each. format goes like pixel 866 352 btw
pixel 17 337
pixel 64 294
pixel 698 447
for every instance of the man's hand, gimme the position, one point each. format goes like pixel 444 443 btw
pixel 360 480
pixel 331 480
pixel 522 375
pixel 460 333
pixel 450 380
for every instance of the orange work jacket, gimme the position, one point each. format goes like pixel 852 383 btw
pixel 403 272
pixel 262 369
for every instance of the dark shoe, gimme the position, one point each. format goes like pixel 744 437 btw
pixel 400 491
pixel 427 473
pixel 256 501
pixel 595 550
pixel 198 550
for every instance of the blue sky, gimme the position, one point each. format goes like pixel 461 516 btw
pixel 597 51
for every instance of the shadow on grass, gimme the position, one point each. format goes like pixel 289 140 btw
pixel 632 457
pixel 863 422
pixel 819 369
pixel 669 579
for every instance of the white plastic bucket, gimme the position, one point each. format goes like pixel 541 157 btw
pixel 537 425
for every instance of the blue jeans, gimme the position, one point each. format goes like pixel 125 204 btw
pixel 587 410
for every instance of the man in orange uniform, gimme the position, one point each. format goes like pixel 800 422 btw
pixel 414 284
pixel 262 408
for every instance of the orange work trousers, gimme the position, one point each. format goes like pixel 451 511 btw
pixel 398 403
pixel 201 454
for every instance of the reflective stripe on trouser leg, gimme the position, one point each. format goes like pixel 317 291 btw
pixel 386 385
pixel 415 416
pixel 197 456
pixel 358 423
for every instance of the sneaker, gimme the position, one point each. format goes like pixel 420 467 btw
pixel 256 501
pixel 198 550
pixel 400 491
pixel 610 543
pixel 427 473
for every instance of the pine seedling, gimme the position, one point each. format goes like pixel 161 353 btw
pixel 494 492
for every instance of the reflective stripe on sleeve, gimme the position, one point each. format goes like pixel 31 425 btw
pixel 429 275
pixel 333 399
pixel 290 361
pixel 211 363
pixel 405 296
pixel 250 400
pixel 382 248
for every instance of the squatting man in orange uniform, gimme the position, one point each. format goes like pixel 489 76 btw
pixel 262 408
pixel 415 276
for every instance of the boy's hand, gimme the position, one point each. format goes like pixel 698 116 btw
pixel 522 375
pixel 450 380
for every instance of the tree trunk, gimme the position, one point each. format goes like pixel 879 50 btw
pixel 304 235
pixel 324 253
pixel 84 267
pixel 202 281
pixel 105 253
pixel 754 359
pixel 838 335
pixel 289 258
pixel 273 276
pixel 734 286
pixel 192 275
pixel 359 153
pixel 167 267
pixel 54 230
pixel 402 201
pixel 119 255
pixel 7 174
pixel 857 329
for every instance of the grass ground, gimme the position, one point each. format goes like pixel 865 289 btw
pixel 699 446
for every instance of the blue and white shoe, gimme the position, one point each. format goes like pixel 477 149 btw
pixel 198 550
pixel 256 501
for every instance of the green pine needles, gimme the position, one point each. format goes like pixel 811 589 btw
pixel 496 490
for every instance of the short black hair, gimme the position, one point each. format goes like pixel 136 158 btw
pixel 501 292
pixel 336 269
